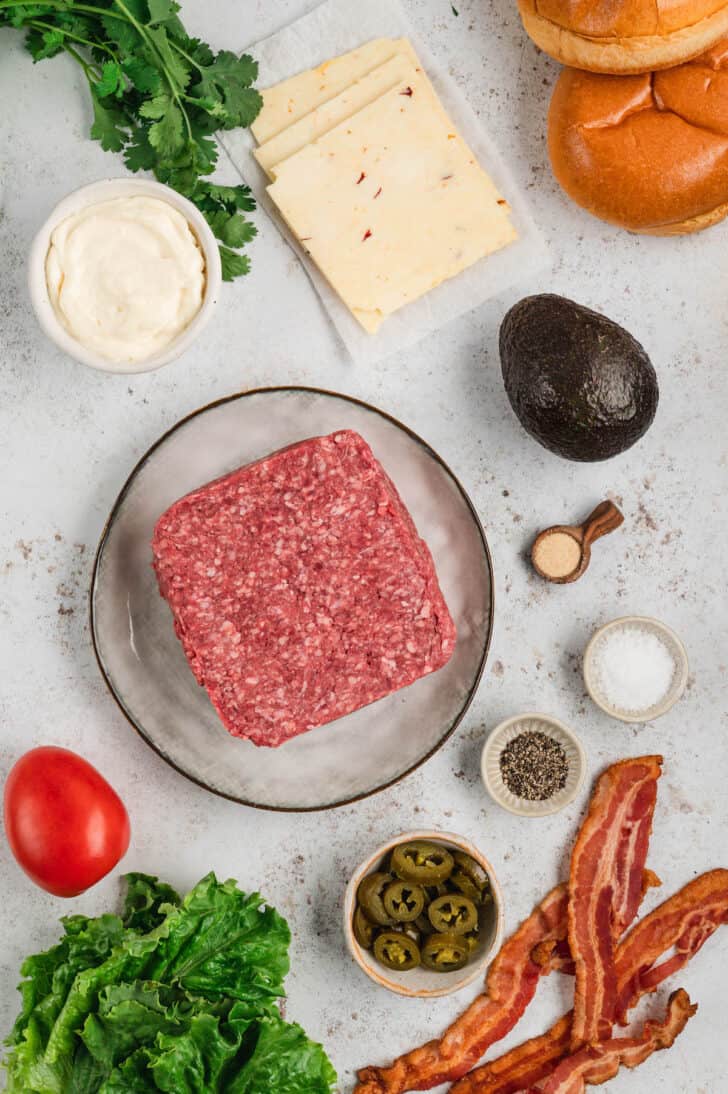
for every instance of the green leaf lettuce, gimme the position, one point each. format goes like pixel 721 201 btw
pixel 173 995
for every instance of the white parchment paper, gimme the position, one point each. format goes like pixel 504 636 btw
pixel 335 27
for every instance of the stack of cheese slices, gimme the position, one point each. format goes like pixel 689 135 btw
pixel 373 179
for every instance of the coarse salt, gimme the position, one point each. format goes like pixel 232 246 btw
pixel 634 667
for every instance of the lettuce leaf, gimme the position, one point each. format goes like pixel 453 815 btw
pixel 284 1060
pixel 221 942
pixel 146 898
pixel 174 995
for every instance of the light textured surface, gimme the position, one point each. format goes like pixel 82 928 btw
pixel 70 436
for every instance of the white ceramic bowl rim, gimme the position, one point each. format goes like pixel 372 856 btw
pixel 490 772
pixel 455 981
pixel 92 194
pixel 677 685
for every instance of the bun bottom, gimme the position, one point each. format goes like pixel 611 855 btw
pixel 618 56
pixel 686 227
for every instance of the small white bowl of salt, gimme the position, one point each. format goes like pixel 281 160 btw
pixel 635 668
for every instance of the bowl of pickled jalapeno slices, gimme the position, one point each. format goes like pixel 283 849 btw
pixel 423 914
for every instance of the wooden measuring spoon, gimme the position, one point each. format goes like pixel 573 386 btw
pixel 565 558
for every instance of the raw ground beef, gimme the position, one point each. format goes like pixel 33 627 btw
pixel 300 589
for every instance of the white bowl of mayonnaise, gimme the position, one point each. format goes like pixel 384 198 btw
pixel 124 275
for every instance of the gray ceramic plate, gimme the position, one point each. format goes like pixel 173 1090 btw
pixel 142 660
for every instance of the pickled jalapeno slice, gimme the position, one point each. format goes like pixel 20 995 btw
pixel 445 952
pixel 363 929
pixel 403 901
pixel 396 951
pixel 369 896
pixel 466 864
pixel 453 914
pixel 410 930
pixel 473 940
pixel 422 923
pixel 432 892
pixel 422 862
pixel 464 884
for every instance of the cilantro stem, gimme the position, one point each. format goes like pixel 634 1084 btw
pixel 185 55
pixel 167 74
pixel 65 7
pixel 39 25
pixel 91 74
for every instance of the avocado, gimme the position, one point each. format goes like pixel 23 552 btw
pixel 577 381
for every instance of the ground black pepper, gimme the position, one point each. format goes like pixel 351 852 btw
pixel 534 766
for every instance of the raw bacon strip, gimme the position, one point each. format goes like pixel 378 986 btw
pixel 605 887
pixel 561 959
pixel 685 921
pixel 595 1064
pixel 509 988
pixel 523 1066
pixel 559 956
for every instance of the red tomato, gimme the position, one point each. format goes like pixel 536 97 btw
pixel 65 825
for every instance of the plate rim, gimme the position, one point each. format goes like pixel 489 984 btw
pixel 109 523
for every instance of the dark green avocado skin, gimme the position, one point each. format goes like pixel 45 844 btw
pixel 578 382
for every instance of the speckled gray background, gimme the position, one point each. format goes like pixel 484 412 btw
pixel 69 437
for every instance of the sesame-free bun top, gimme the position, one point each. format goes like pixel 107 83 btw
pixel 648 152
pixel 624 36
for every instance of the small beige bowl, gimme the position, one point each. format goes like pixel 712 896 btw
pixel 531 723
pixel 105 190
pixel 421 983
pixel 674 645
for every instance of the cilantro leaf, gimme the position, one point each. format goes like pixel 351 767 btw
pixel 233 264
pixel 232 197
pixel 19 16
pixel 223 89
pixel 110 124
pixel 199 51
pixel 161 10
pixel 156 107
pixel 122 34
pixel 139 154
pixel 201 151
pixel 142 75
pixel 112 79
pixel 233 229
pixel 167 135
pixel 44 43
pixel 176 69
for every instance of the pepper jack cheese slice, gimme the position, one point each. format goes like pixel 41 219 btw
pixel 392 202
pixel 286 102
pixel 342 106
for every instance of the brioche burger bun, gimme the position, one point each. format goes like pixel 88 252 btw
pixel 624 36
pixel 647 152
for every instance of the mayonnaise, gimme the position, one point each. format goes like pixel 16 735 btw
pixel 125 276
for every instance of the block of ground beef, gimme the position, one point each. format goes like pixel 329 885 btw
pixel 300 588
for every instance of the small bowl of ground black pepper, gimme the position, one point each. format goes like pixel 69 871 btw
pixel 533 765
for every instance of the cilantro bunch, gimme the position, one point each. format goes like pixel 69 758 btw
pixel 158 96
pixel 176 995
